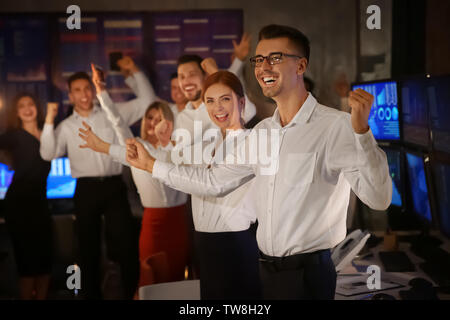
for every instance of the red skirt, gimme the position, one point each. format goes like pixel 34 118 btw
pixel 163 245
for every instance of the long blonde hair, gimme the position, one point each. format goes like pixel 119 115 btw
pixel 165 111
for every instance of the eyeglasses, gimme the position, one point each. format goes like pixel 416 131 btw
pixel 273 58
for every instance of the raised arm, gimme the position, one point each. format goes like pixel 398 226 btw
pixel 218 180
pixel 241 51
pixel 133 110
pixel 120 127
pixel 353 151
pixel 116 151
pixel 53 142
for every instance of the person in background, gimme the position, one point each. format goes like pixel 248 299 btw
pixel 163 236
pixel 301 202
pixel 192 71
pixel 342 88
pixel 27 215
pixel 225 244
pixel 100 191
pixel 179 100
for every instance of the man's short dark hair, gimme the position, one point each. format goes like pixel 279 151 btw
pixel 173 76
pixel 298 39
pixel 77 76
pixel 191 58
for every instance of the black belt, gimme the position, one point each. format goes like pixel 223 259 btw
pixel 99 179
pixel 296 261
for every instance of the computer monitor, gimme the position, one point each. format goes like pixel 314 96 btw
pixel 384 115
pixel 441 178
pixel 5 179
pixel 60 184
pixel 438 94
pixel 418 186
pixel 414 108
pixel 394 158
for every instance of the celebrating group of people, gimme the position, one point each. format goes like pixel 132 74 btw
pixel 299 200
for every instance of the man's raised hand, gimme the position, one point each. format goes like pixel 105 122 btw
pixel 209 65
pixel 242 49
pixel 127 66
pixel 361 102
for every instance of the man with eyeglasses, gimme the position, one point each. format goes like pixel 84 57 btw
pixel 323 153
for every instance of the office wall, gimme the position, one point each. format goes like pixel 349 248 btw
pixel 437 37
pixel 330 25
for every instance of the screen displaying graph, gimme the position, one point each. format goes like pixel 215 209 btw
pixel 60 184
pixel 384 115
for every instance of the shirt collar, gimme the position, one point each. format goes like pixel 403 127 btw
pixel 95 109
pixel 302 116
pixel 189 106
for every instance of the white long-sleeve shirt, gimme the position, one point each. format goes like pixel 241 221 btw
pixel 221 213
pixel 302 206
pixel 64 139
pixel 152 192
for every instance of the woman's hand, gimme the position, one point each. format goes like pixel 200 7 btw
pixel 93 142
pixel 52 111
pixel 163 131
pixel 97 79
pixel 138 157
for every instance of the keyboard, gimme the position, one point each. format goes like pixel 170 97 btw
pixel 396 261
pixel 437 262
pixel 439 273
pixel 431 254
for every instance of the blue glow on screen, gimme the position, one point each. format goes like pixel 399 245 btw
pixel 441 173
pixel 384 115
pixel 5 179
pixel 60 184
pixel 394 162
pixel 418 185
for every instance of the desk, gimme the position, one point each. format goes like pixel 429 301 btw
pixel 401 278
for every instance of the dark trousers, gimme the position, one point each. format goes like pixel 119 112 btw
pixel 95 197
pixel 228 265
pixel 309 276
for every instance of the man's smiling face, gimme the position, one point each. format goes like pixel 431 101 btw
pixel 277 78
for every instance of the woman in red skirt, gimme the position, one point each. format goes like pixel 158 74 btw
pixel 164 231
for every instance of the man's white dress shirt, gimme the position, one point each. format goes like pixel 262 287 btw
pixel 64 139
pixel 302 206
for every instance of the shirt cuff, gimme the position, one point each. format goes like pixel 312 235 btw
pixel 118 153
pixel 47 128
pixel 365 141
pixel 168 147
pixel 161 170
